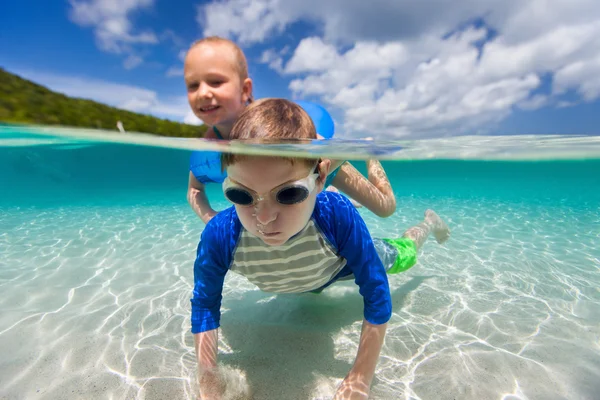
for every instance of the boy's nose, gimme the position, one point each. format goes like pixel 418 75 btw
pixel 265 212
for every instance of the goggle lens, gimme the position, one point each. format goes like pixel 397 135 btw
pixel 292 195
pixel 239 196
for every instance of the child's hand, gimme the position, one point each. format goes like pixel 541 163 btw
pixel 211 386
pixel 352 389
pixel 223 382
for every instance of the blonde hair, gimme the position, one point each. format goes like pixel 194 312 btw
pixel 241 65
pixel 272 121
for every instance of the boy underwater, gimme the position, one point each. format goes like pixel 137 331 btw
pixel 286 235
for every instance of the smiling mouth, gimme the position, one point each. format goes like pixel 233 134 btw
pixel 208 108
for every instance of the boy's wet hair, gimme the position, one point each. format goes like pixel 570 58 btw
pixel 272 121
pixel 241 65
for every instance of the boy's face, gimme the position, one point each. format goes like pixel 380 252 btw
pixel 269 220
pixel 215 91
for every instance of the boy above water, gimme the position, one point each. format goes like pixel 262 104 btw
pixel 286 235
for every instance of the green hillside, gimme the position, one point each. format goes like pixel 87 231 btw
pixel 23 101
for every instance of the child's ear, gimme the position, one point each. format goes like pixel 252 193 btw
pixel 324 167
pixel 247 90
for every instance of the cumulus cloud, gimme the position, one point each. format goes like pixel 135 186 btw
pixel 132 61
pixel 427 68
pixel 534 102
pixel 169 35
pixel 127 97
pixel 583 76
pixel 250 21
pixel 312 55
pixel 110 21
pixel 230 18
pixel 273 59
pixel 173 72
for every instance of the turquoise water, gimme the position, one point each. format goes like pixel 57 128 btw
pixel 97 244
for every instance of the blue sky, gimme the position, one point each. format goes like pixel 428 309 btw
pixel 390 69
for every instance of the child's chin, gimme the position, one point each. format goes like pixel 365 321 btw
pixel 276 241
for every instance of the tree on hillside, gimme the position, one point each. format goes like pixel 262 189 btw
pixel 23 101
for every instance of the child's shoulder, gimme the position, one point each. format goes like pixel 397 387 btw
pixel 334 209
pixel 340 222
pixel 333 201
pixel 224 223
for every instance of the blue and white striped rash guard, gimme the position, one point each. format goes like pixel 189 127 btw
pixel 334 244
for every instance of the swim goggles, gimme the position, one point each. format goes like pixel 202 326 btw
pixel 286 194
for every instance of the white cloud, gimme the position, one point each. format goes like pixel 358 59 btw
pixel 228 18
pixel 110 20
pixel 349 21
pixel 169 35
pixel 533 103
pixel 521 21
pixel 565 104
pixel 250 21
pixel 392 67
pixel 583 76
pixel 132 61
pixel 385 88
pixel 174 72
pixel 273 59
pixel 311 55
pixel 127 97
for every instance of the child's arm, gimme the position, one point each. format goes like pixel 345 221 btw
pixel 344 227
pixel 198 200
pixel 357 383
pixel 210 268
pixel 206 344
pixel 375 193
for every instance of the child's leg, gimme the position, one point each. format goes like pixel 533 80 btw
pixel 399 255
pixel 432 223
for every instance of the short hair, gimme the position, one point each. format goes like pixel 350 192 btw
pixel 241 65
pixel 272 121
